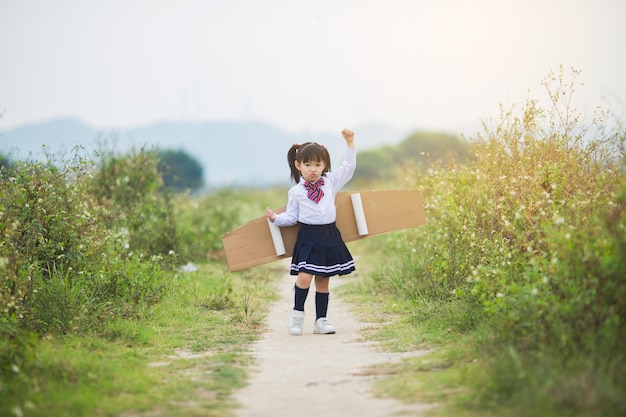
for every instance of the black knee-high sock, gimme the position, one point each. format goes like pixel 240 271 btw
pixel 321 304
pixel 299 297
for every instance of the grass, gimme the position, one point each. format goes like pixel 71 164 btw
pixel 435 378
pixel 456 376
pixel 184 358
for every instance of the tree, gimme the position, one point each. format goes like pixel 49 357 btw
pixel 180 171
pixel 437 146
pixel 420 149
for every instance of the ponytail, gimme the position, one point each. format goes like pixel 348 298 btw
pixel 291 160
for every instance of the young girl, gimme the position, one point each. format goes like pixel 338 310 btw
pixel 319 250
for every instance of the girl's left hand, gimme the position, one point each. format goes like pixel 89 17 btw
pixel 348 135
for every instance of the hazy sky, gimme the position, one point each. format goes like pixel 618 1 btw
pixel 314 65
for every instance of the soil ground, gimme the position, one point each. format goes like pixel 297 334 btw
pixel 317 375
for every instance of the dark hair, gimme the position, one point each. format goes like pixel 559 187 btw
pixel 306 152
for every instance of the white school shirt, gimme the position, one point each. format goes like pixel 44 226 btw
pixel 303 210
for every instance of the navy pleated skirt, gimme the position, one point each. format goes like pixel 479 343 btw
pixel 321 251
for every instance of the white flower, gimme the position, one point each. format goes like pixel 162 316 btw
pixel 17 410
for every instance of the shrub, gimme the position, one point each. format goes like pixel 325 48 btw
pixel 529 237
pixel 46 226
pixel 201 221
pixel 78 249
pixel 132 198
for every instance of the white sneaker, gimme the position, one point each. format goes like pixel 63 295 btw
pixel 296 322
pixel 322 326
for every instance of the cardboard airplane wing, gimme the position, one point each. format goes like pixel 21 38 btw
pixel 359 215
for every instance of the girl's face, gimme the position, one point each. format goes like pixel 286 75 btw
pixel 310 170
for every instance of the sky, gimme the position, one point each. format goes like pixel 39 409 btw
pixel 301 65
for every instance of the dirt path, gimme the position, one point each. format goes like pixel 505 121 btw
pixel 315 375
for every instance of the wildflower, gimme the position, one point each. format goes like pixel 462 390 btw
pixel 499 295
pixel 568 236
pixel 534 291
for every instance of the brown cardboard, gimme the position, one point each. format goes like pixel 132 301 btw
pixel 385 211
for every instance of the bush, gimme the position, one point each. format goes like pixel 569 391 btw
pixel 46 226
pixel 201 221
pixel 420 149
pixel 133 199
pixel 530 239
pixel 80 248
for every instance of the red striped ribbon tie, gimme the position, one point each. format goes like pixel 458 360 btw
pixel 314 190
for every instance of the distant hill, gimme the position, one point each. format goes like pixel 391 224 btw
pixel 237 154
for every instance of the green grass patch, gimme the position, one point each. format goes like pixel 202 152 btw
pixel 184 357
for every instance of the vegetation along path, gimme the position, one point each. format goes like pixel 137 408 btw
pixel 314 374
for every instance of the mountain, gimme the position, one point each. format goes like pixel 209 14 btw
pixel 232 153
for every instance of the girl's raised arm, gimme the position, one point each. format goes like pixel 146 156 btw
pixel 348 135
